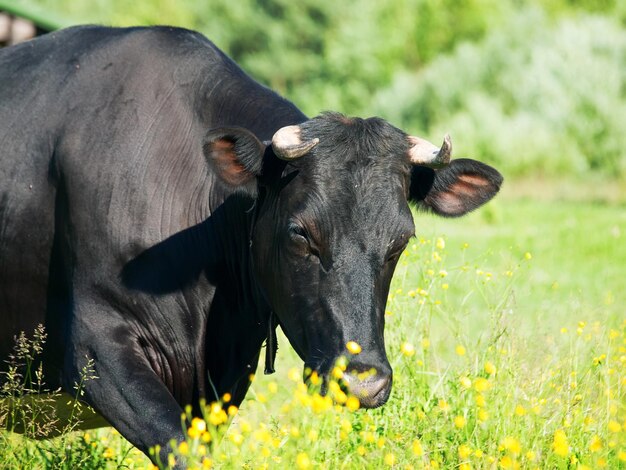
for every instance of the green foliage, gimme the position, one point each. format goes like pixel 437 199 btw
pixel 531 99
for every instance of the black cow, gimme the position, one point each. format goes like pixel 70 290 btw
pixel 161 213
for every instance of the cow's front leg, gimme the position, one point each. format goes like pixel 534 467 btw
pixel 126 392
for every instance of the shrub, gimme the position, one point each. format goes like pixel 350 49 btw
pixel 530 98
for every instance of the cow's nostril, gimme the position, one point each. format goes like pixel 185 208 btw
pixel 372 391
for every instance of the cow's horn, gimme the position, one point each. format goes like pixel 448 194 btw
pixel 288 145
pixel 424 153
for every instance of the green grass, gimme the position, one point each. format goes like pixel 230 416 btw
pixel 514 357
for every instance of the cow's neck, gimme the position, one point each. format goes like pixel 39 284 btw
pixel 238 319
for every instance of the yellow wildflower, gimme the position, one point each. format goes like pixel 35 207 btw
pixel 353 347
pixel 352 403
pixel 490 368
pixel 294 375
pixel 417 448
pixel 346 425
pixel 459 422
pixel 302 461
pixel 512 445
pixel 183 448
pixel 321 403
pixel 198 424
pixel 460 350
pixel 342 363
pixel 464 451
pixel 236 438
pixel 560 443
pixel 337 372
pixel 596 444
pixel 341 398
pixel 465 382
pixel 481 384
pixel 314 378
pixel 390 459
pixel 407 349
pixel 480 401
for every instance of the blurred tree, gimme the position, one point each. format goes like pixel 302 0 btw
pixel 533 98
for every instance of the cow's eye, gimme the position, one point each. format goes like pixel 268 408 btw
pixel 300 235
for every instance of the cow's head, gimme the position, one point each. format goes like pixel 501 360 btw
pixel 332 220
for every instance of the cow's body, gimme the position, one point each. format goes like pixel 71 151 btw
pixel 101 159
pixel 116 234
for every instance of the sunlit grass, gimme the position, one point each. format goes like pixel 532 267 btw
pixel 506 334
pixel 461 399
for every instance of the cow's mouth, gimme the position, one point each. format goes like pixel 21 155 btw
pixel 372 388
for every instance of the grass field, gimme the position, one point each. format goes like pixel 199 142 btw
pixel 507 334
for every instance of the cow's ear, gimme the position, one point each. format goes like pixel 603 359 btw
pixel 236 156
pixel 456 189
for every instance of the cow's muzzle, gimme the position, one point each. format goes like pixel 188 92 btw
pixel 370 385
